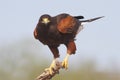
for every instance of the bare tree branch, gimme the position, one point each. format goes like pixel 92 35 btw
pixel 47 76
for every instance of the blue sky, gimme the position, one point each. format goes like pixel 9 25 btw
pixel 100 39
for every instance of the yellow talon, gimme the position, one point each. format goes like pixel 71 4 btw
pixel 52 66
pixel 65 62
pixel 50 69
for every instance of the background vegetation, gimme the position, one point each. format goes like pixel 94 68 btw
pixel 24 61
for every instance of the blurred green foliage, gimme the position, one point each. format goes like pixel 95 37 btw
pixel 20 63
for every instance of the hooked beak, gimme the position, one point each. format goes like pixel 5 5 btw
pixel 45 20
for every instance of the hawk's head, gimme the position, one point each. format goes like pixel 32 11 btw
pixel 45 19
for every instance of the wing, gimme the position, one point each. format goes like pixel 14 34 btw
pixel 79 17
pixel 35 34
pixel 67 24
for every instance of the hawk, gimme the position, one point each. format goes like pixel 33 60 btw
pixel 57 30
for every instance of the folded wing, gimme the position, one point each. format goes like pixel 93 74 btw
pixel 68 24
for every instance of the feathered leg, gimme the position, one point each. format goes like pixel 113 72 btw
pixel 55 52
pixel 71 48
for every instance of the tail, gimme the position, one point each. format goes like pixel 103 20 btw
pixel 90 20
pixel 86 21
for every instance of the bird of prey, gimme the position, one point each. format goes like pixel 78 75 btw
pixel 57 30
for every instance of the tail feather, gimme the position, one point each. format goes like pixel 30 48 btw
pixel 86 21
pixel 93 19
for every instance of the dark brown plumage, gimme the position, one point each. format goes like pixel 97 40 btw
pixel 61 29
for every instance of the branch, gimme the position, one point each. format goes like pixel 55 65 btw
pixel 47 76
